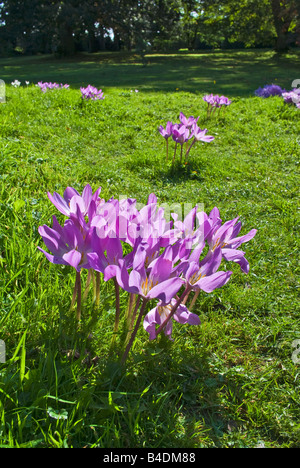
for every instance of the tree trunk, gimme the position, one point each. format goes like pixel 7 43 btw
pixel 67 43
pixel 281 24
pixel 93 43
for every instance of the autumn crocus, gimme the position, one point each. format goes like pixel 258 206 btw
pixel 215 102
pixel 183 132
pixel 159 262
pixel 155 282
pixel 180 134
pixel 292 97
pixel 16 83
pixel 198 135
pixel 72 200
pixel 68 245
pixel 224 101
pixel 268 91
pixel 49 85
pixel 91 92
pixel 187 121
pixel 204 275
pixel 160 314
pixel 225 236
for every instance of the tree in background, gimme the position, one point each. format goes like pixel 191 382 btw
pixel 286 18
pixel 33 26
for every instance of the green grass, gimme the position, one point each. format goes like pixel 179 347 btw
pixel 230 382
pixel 234 72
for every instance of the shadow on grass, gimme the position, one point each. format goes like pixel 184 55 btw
pixel 168 395
pixel 168 173
pixel 235 73
pixel 175 398
pixel 180 173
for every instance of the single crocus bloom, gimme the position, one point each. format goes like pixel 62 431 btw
pixel 166 132
pixel 180 134
pixel 68 244
pixel 292 96
pixel 155 282
pixel 67 204
pixel 224 101
pixel 200 135
pixel 204 275
pixel 188 122
pixel 161 312
pixel 226 237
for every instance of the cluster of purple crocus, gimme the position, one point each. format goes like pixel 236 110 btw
pixel 289 97
pixel 160 262
pixel 185 133
pixel 90 92
pixel 216 102
pixel 269 90
pixel 48 85
pixel 292 97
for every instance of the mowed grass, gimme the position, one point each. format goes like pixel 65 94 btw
pixel 230 382
pixel 234 72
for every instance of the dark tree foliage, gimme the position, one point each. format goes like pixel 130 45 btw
pixel 64 27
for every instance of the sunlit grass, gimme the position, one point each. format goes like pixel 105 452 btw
pixel 229 382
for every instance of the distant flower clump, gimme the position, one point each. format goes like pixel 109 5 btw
pixel 49 85
pixel 90 92
pixel 16 83
pixel 292 97
pixel 186 132
pixel 216 102
pixel 289 97
pixel 269 90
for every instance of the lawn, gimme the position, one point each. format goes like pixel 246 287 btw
pixel 230 382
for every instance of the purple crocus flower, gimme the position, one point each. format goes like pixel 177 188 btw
pixel 155 282
pixel 161 312
pixel 210 99
pixel 188 122
pixel 224 101
pixel 166 132
pixel 204 275
pixel 68 244
pixel 215 102
pixel 101 262
pixel 71 199
pixel 200 135
pixel 180 133
pixel 226 237
pixel 49 85
pixel 292 96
